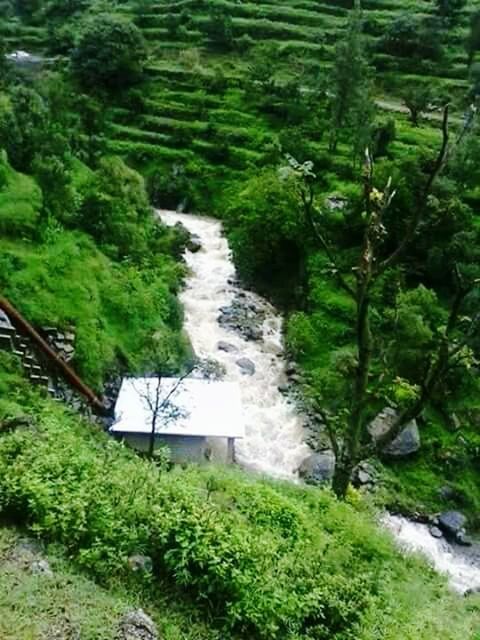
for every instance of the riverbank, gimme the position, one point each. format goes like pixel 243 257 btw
pixel 242 335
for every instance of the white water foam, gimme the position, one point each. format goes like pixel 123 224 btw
pixel 462 572
pixel 274 442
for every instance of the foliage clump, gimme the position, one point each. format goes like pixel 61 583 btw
pixel 264 560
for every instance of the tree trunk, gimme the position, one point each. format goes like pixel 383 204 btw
pixel 151 447
pixel 350 450
pixel 342 476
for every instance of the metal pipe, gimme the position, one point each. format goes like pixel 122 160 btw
pixel 67 372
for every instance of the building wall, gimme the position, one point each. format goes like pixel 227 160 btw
pixel 182 448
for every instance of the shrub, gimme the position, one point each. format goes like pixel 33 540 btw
pixel 268 561
pixel 110 54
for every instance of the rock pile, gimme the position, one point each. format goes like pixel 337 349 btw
pixel 244 316
pixel 136 625
pixel 62 342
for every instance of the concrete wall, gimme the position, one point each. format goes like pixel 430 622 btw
pixel 182 448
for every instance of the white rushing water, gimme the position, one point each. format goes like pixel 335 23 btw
pixel 274 442
pixel 463 572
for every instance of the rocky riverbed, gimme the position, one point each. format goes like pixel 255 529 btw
pixel 237 335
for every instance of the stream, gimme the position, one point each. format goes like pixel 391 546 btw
pixel 250 340
pixel 243 333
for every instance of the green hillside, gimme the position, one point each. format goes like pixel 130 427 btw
pixel 198 109
pixel 318 134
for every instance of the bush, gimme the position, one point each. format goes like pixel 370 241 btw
pixel 268 561
pixel 265 226
pixel 110 54
pixel 116 211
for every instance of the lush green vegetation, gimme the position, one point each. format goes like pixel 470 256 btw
pixel 71 603
pixel 80 246
pixel 262 559
pixel 258 112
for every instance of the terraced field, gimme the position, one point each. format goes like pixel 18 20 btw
pixel 196 109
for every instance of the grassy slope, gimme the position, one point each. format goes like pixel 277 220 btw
pixel 64 280
pixel 70 605
pixel 249 553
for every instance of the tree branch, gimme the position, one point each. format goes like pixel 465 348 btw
pixel 438 367
pixel 308 200
pixel 422 205
pixel 332 436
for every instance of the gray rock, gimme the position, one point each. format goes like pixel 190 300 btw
pixel 365 474
pixel 41 568
pixel 136 625
pixel 283 388
pixel 364 477
pixel 194 244
pixel 290 368
pixel 296 378
pixel 451 522
pixel 405 444
pixel 318 468
pixel 247 366
pixel 227 347
pixel 462 539
pixel 140 564
pixel 254 334
pixel 436 532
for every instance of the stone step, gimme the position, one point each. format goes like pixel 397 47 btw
pixel 34 369
pixel 6 341
pixel 39 379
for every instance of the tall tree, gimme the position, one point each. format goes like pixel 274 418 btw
pixel 417 99
pixel 353 405
pixel 349 80
pixel 472 44
pixel 110 54
pixel 450 8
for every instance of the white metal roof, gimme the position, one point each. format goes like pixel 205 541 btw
pixel 197 408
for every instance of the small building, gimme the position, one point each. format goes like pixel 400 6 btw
pixel 196 419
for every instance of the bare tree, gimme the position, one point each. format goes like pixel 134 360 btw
pixel 161 409
pixel 347 428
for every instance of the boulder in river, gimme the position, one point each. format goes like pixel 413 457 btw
pixel 194 244
pixel 451 522
pixel 406 443
pixel 436 532
pixel 318 468
pixel 247 366
pixel 227 347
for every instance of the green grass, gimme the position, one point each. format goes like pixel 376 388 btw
pixel 121 313
pixel 34 607
pixel 20 202
pixel 262 559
